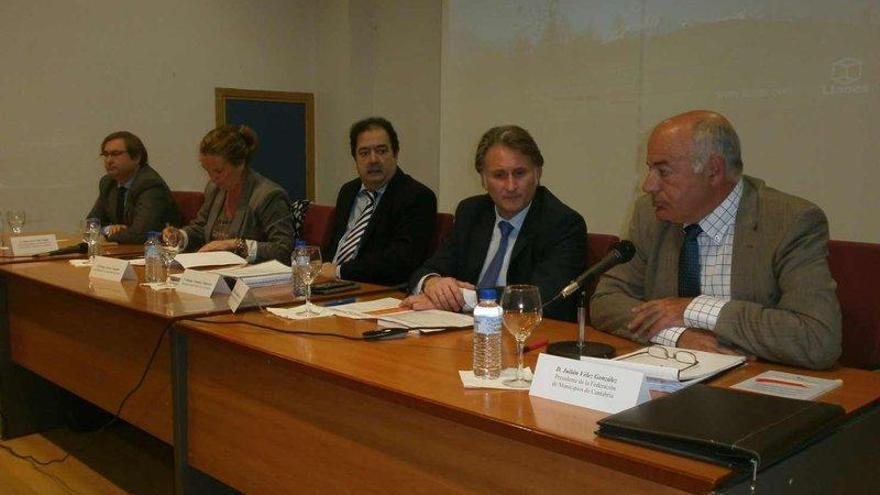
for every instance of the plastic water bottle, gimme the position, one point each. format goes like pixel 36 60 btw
pixel 487 335
pixel 299 287
pixel 154 268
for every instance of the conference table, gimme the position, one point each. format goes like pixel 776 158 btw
pixel 95 338
pixel 264 411
pixel 276 413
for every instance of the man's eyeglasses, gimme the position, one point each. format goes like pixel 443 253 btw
pixel 689 359
pixel 114 153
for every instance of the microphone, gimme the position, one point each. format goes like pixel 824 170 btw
pixel 82 247
pixel 620 252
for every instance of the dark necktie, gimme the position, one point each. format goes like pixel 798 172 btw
pixel 348 246
pixel 490 278
pixel 689 263
pixel 120 204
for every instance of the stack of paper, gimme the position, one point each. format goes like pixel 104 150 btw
pixel 261 275
pixel 669 375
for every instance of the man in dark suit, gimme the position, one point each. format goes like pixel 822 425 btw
pixel 518 233
pixel 133 199
pixel 385 219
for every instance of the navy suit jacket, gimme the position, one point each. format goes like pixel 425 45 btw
pixel 549 252
pixel 397 237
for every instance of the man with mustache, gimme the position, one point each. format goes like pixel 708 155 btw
pixel 518 233
pixel 133 198
pixel 385 219
pixel 723 262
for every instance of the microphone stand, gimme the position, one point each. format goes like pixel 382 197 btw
pixel 575 349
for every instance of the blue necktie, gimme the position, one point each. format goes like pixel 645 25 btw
pixel 689 263
pixel 490 278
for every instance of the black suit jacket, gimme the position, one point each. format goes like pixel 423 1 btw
pixel 149 206
pixel 549 252
pixel 397 237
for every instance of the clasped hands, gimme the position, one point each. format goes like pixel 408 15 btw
pixel 439 293
pixel 651 317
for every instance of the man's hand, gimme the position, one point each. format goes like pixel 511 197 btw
pixel 221 245
pixel 418 302
pixel 653 316
pixel 115 229
pixel 702 340
pixel 328 271
pixel 445 292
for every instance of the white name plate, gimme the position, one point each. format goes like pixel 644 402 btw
pixel 240 292
pixel 30 245
pixel 585 384
pixel 112 269
pixel 204 284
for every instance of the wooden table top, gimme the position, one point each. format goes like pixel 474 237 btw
pixel 61 275
pixel 422 372
pixel 65 240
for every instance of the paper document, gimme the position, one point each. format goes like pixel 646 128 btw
pixel 433 318
pixel 708 364
pixel 211 258
pixel 789 385
pixel 273 267
pixel 470 381
pixel 298 312
pixel 366 310
pixel 261 275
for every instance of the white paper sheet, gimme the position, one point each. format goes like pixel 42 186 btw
pixel 211 258
pixel 470 381
pixel 361 310
pixel 433 318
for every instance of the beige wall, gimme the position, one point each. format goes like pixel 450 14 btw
pixel 75 71
pixel 589 81
pixel 799 79
pixel 378 57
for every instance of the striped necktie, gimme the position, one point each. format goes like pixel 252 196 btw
pixel 348 246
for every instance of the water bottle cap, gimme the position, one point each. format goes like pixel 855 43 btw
pixel 299 243
pixel 487 293
pixel 153 233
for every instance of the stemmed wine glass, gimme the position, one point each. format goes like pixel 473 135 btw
pixel 91 235
pixel 306 264
pixel 15 219
pixel 170 245
pixel 522 314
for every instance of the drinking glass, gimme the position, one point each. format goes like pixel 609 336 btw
pixel 522 314
pixel 91 235
pixel 306 264
pixel 170 245
pixel 15 219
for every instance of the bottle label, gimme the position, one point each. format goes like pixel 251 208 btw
pixel 487 325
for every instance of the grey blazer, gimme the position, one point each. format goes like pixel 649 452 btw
pixel 262 214
pixel 149 206
pixel 784 303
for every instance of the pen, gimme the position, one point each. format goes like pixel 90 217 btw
pixel 776 381
pixel 340 302
pixel 534 346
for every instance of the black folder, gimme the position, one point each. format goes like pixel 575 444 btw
pixel 741 430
